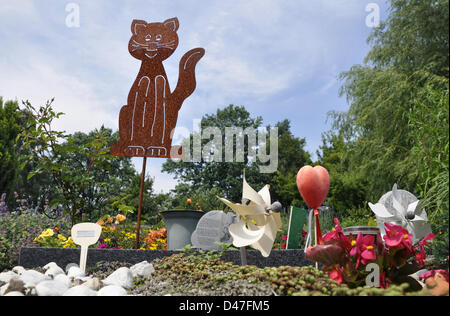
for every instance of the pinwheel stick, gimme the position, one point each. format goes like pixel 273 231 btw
pixel 319 240
pixel 243 256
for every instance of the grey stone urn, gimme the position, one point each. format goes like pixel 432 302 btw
pixel 180 225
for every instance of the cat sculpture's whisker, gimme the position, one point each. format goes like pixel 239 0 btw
pixel 139 44
pixel 171 42
pixel 166 47
pixel 163 44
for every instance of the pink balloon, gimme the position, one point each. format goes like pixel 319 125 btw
pixel 313 185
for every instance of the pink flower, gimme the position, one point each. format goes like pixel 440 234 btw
pixel 335 233
pixel 397 236
pixel 336 275
pixel 283 246
pixel 285 237
pixel 421 254
pixel 383 282
pixel 363 249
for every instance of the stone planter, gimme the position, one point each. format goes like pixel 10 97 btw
pixel 365 230
pixel 180 225
pixel 31 257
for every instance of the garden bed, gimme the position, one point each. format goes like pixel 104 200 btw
pixel 31 257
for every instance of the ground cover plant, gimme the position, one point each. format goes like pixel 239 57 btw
pixel 205 274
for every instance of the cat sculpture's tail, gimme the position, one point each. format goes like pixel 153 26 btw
pixel 186 78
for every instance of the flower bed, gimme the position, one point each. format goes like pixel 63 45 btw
pixel 115 235
pixel 346 258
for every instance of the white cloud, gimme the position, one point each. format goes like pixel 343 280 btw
pixel 258 52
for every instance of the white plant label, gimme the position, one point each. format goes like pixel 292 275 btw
pixel 84 235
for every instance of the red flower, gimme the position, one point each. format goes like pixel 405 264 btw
pixel 336 275
pixel 304 233
pixel 337 234
pixel 383 282
pixel 285 237
pixel 397 236
pixel 283 246
pixel 363 249
pixel 421 254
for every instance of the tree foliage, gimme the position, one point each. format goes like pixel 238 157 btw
pixel 83 175
pixel 9 130
pixel 396 129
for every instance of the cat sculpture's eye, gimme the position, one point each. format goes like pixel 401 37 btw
pixel 148 38
pixel 158 37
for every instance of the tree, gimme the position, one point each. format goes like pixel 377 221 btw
pixel 396 129
pixel 291 157
pixel 83 174
pixel 9 130
pixel 406 58
pixel 227 176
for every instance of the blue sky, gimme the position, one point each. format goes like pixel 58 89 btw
pixel 278 58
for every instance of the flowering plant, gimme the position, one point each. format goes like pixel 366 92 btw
pixel 117 235
pixel 345 258
pixel 157 239
pixel 52 238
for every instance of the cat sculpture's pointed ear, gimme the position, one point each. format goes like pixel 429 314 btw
pixel 172 24
pixel 136 24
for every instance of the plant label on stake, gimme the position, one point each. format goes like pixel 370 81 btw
pixel 84 235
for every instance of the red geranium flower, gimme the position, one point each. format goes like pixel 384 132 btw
pixel 421 254
pixel 336 275
pixel 363 248
pixel 337 234
pixel 397 236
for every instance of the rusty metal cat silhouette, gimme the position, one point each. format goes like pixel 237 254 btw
pixel 147 122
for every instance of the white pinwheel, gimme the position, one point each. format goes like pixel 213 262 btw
pixel 258 224
pixel 400 207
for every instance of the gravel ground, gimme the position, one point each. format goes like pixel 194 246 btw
pixel 194 275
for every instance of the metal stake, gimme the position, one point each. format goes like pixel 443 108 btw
pixel 141 192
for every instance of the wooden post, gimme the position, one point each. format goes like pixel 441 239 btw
pixel 141 192
pixel 243 256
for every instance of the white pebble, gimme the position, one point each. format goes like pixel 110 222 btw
pixel 94 284
pixel 121 277
pixel 32 278
pixel 142 269
pixel 80 290
pixel 70 265
pixel 15 293
pixel 112 290
pixel 54 271
pixel 51 288
pixel 19 270
pixel 3 289
pixel 75 272
pixel 49 265
pixel 63 279
pixel 7 276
